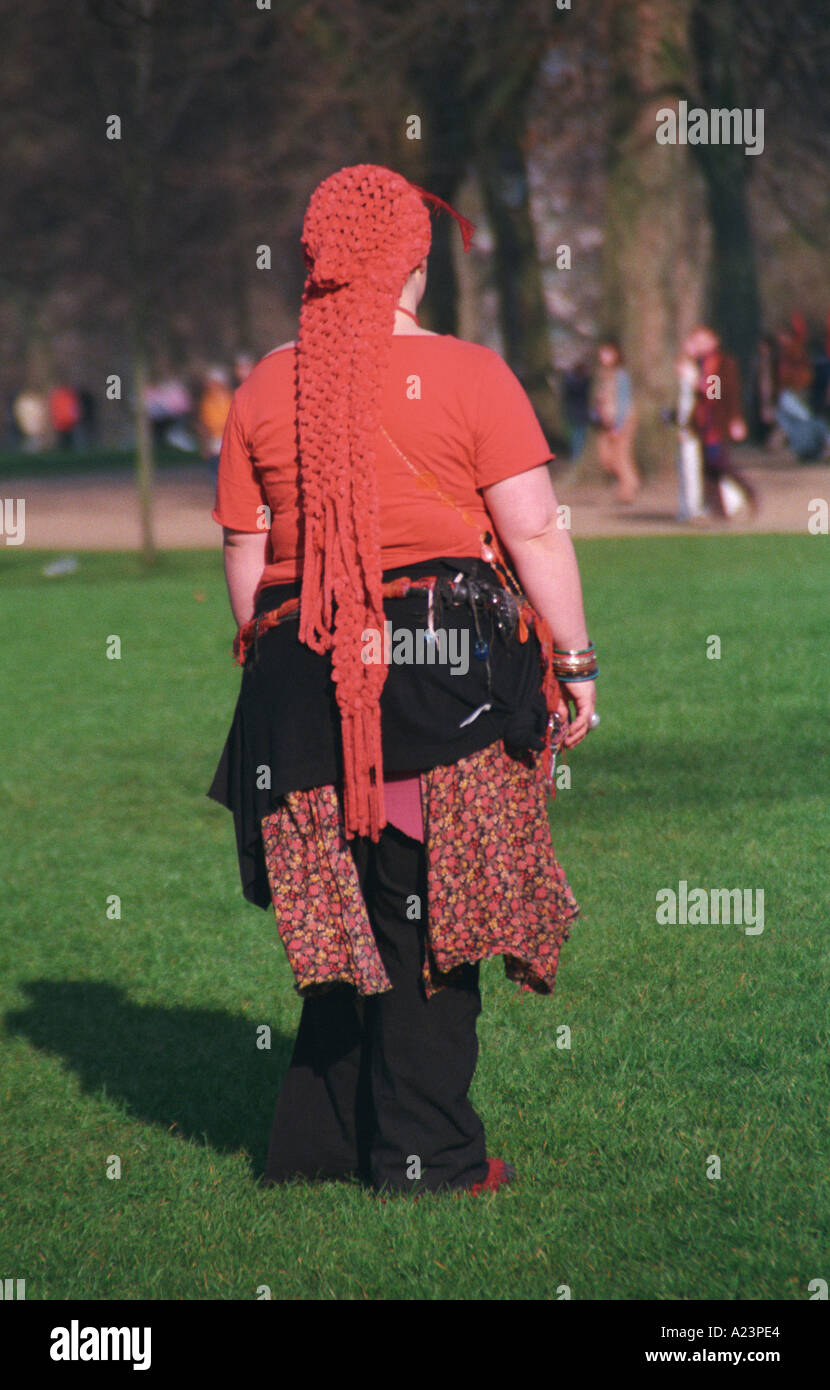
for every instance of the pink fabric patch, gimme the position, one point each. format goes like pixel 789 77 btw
pixel 402 794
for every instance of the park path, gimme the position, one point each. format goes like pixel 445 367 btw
pixel 100 511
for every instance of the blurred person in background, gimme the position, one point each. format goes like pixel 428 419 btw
pixel 690 503
pixel 169 406
pixel 806 433
pixel 401 832
pixel 64 413
pixel 795 370
pixel 31 415
pixel 615 417
pixel 211 414
pixel 243 365
pixel 718 421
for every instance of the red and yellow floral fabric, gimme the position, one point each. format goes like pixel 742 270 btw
pixel 494 884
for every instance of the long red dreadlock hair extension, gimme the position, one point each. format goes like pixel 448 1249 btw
pixel 365 230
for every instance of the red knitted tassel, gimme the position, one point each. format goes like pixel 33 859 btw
pixel 364 807
pixel 465 225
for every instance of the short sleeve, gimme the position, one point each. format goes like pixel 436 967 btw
pixel 239 492
pixel 508 437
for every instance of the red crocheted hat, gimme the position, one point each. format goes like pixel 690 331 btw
pixel 365 230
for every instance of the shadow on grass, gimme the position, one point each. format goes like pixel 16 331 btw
pixel 197 1072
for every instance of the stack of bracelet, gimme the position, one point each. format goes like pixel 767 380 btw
pixel 575 666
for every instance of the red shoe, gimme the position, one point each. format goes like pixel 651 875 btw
pixel 498 1173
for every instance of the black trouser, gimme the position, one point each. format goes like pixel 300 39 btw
pixel 377 1086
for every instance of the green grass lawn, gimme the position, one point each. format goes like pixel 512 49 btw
pixel 137 1037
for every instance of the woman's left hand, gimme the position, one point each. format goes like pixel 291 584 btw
pixel 582 695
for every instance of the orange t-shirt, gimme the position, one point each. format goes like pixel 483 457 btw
pixel 452 407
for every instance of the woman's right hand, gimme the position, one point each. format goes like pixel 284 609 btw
pixel 582 697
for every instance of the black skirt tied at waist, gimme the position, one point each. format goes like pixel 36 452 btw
pixel 444 698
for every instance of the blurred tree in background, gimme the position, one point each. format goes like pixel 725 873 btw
pixel 139 255
pixel 654 233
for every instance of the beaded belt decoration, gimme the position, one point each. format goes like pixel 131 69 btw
pixel 261 622
pixel 509 612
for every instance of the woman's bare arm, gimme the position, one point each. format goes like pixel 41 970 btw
pixel 524 512
pixel 244 555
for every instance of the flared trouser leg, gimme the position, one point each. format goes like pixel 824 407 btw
pixel 379 1086
pixel 323 1115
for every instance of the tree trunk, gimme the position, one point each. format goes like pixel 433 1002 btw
pixel 502 171
pixel 475 99
pixel 441 299
pixel 733 287
pixel 654 232
pixel 145 467
pixel 733 301
pixel 139 173
pixel 444 153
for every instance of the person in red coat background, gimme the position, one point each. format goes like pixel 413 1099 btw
pixel 718 420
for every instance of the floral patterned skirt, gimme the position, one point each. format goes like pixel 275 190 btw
pixel 494 884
